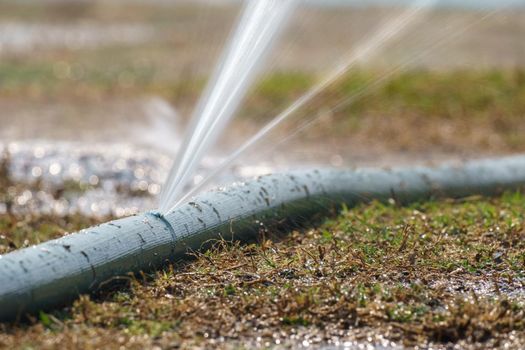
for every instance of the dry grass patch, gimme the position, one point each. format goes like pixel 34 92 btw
pixel 435 273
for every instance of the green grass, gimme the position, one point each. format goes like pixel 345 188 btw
pixel 57 78
pixel 422 100
pixel 452 94
pixel 430 273
pixel 445 111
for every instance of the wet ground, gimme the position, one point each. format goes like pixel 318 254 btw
pixel 93 103
pixel 434 275
pixel 95 179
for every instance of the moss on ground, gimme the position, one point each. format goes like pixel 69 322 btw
pixel 442 272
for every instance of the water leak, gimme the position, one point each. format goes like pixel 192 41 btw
pixel 259 27
pixel 368 48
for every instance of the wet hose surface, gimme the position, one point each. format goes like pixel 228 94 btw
pixel 53 273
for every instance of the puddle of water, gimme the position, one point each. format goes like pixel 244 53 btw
pixel 95 179
pixel 489 285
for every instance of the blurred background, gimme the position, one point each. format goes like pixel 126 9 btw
pixel 95 95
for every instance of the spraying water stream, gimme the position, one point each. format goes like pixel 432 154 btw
pixel 208 126
pixel 370 47
pixel 258 29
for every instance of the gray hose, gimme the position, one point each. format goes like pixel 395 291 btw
pixel 54 273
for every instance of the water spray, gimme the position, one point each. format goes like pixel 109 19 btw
pixel 366 50
pixel 260 26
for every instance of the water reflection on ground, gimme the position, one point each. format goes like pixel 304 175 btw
pixel 96 179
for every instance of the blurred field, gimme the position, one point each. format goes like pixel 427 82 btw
pixel 434 274
pixel 471 85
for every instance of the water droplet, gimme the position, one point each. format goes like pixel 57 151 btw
pixel 93 180
pixel 154 189
pixel 39 152
pixel 55 169
pixel 143 185
pixel 36 171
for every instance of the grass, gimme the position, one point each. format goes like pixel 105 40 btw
pixel 429 274
pixel 436 94
pixel 442 272
pixel 451 111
